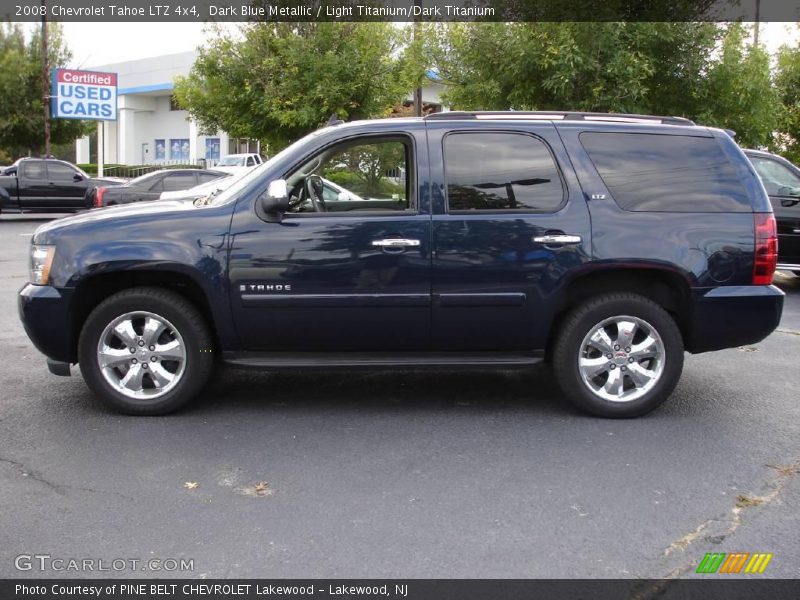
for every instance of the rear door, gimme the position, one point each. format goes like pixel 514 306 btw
pixel 782 182
pixel 510 224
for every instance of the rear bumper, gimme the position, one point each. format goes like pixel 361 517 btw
pixel 45 315
pixel 790 266
pixel 730 316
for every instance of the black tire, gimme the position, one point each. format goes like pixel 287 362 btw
pixel 186 321
pixel 582 320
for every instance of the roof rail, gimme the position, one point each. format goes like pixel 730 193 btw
pixel 557 115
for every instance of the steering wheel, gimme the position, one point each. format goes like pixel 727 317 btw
pixel 314 188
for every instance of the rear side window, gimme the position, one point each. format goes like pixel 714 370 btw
pixel 179 181
pixel 499 172
pixel 33 169
pixel 666 173
pixel 206 177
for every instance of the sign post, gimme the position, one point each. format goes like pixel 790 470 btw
pixel 101 141
pixel 87 96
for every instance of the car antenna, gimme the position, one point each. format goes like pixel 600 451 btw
pixel 334 120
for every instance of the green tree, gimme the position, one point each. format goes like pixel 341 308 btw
pixel 787 83
pixel 738 92
pixel 279 81
pixel 22 119
pixel 567 65
pixel 703 71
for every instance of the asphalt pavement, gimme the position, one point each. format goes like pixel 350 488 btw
pixel 385 475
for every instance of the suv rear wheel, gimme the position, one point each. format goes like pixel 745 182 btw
pixel 145 351
pixel 618 355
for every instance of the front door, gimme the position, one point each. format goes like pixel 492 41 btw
pixel 348 267
pixel 509 226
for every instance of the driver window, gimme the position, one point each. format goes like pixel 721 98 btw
pixel 777 179
pixel 366 175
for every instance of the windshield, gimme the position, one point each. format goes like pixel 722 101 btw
pixel 231 161
pixel 257 173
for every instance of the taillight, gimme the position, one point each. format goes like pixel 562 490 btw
pixel 98 197
pixel 766 258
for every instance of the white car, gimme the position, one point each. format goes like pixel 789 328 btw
pixel 238 163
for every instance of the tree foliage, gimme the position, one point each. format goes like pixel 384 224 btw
pixel 279 81
pixel 738 91
pixel 21 87
pixel 787 83
pixel 703 71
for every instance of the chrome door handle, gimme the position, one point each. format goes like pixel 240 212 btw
pixel 395 243
pixel 557 239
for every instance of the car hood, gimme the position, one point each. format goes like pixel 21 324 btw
pixel 160 210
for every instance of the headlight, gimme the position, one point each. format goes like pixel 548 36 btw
pixel 41 259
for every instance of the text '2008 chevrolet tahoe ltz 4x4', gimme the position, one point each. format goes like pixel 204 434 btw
pixel 605 244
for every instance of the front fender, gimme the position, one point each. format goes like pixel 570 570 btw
pixel 138 246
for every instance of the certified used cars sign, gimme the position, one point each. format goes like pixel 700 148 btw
pixel 86 95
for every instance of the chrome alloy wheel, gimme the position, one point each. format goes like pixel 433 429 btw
pixel 621 359
pixel 141 355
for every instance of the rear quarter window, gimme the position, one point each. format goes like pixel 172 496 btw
pixel 33 169
pixel 666 173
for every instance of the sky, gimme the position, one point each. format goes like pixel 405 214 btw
pixel 95 44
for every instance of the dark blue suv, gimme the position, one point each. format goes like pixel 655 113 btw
pixel 605 244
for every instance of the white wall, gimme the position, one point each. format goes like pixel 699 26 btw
pixel 143 119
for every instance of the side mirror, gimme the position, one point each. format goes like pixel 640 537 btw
pixel 275 201
pixel 77 177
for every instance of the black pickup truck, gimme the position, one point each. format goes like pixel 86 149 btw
pixel 46 185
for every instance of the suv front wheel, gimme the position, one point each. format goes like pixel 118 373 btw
pixel 145 351
pixel 618 355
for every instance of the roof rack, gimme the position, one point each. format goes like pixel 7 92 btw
pixel 557 115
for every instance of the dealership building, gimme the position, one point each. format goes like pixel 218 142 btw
pixel 151 129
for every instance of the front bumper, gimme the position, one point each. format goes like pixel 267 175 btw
pixel 731 316
pixel 46 316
